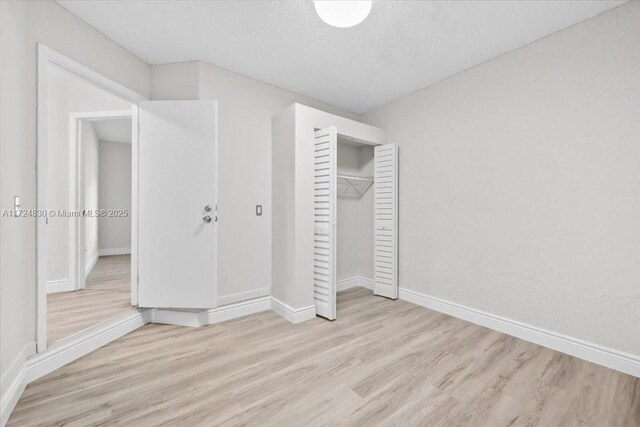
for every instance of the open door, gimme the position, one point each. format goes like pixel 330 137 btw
pixel 177 204
pixel 386 221
pixel 324 217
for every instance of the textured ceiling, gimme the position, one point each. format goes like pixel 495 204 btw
pixel 401 47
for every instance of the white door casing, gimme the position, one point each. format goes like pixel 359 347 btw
pixel 324 217
pixel 386 221
pixel 177 180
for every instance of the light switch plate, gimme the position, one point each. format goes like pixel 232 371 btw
pixel 258 210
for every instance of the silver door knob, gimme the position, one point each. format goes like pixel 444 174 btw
pixel 207 218
pixel 207 208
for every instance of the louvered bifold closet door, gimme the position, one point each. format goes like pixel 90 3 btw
pixel 324 217
pixel 386 221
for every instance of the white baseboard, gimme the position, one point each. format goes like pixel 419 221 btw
pixel 293 315
pixel 238 309
pixel 243 296
pixel 114 251
pixel 63 285
pixel 29 366
pixel 620 361
pixel 91 262
pixel 176 317
pixel 15 376
pixel 352 282
pixel 197 318
pixel 26 369
pixel 82 343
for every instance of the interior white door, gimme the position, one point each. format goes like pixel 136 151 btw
pixel 324 216
pixel 386 221
pixel 177 204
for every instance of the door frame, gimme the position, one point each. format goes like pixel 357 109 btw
pixel 76 191
pixel 45 57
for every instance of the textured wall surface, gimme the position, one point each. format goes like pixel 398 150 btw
pixel 115 193
pixel 520 183
pixel 22 25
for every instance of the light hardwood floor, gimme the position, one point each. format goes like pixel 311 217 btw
pixel 107 293
pixel 381 362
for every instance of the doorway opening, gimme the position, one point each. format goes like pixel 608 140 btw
pixel 100 192
pixel 87 185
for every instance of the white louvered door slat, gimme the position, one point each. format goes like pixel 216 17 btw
pixel 386 221
pixel 324 217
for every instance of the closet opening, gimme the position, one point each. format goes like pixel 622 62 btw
pixel 355 218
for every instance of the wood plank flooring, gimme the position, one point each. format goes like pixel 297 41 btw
pixel 381 362
pixel 107 293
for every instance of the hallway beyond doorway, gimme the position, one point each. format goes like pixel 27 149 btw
pixel 107 293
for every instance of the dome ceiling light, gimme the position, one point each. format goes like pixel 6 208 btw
pixel 343 13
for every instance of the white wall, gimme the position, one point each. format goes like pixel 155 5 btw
pixel 22 24
pixel 520 182
pixel 347 215
pixel 115 193
pixel 283 204
pixel 175 81
pixel 67 94
pixel 58 263
pixel 366 223
pixel 91 191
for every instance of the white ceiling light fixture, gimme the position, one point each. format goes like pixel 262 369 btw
pixel 343 13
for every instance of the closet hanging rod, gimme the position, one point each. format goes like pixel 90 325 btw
pixel 357 178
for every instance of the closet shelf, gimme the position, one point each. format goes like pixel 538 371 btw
pixel 354 185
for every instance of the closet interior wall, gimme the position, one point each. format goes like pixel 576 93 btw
pixel 354 251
